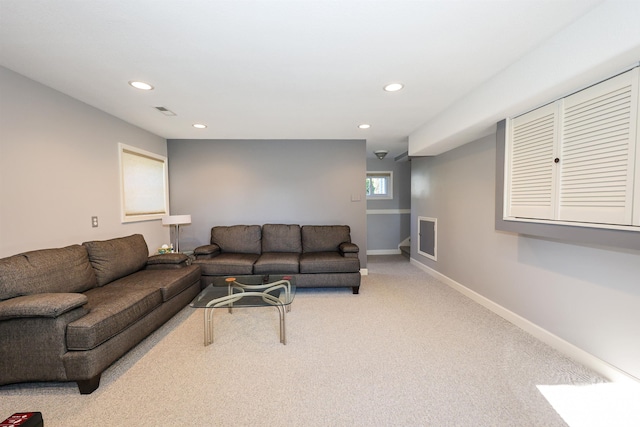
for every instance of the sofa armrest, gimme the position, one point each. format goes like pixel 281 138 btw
pixel 349 250
pixel 41 305
pixel 206 251
pixel 33 330
pixel 167 261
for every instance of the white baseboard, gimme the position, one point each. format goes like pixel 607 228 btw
pixel 383 252
pixel 581 356
pixel 364 271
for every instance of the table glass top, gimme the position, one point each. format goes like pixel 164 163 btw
pixel 248 291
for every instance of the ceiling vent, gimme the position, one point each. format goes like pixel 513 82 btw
pixel 165 111
pixel 402 157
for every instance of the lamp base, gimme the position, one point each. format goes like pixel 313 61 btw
pixel 177 244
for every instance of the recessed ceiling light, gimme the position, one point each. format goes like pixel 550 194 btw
pixel 364 126
pixel 393 87
pixel 141 85
pixel 199 126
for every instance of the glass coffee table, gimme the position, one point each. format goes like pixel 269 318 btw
pixel 246 291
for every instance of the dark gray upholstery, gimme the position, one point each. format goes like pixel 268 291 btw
pixel 82 365
pixel 277 263
pixel 327 262
pixel 281 238
pixel 111 309
pixel 323 251
pixel 228 264
pixel 281 247
pixel 115 258
pixel 327 280
pixel 166 261
pixel 170 281
pixel 41 305
pixel 33 348
pixel 39 271
pixel 239 239
pixel 349 250
pixel 57 324
pixel 324 238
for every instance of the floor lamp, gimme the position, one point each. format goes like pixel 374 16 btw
pixel 176 220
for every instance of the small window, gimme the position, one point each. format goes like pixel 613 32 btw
pixel 143 184
pixel 379 185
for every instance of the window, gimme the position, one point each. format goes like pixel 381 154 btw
pixel 574 160
pixel 143 184
pixel 379 185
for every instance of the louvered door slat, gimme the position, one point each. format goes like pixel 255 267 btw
pixel 578 159
pixel 596 159
pixel 531 164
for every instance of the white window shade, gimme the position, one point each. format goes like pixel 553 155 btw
pixel 143 184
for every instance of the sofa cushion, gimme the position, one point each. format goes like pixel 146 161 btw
pixel 46 270
pixel 324 238
pixel 281 238
pixel 227 264
pixel 239 239
pixel 112 309
pixel 328 262
pixel 277 263
pixel 170 282
pixel 116 258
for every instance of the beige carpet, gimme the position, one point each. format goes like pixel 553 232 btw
pixel 407 351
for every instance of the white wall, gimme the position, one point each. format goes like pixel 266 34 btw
pixel 228 182
pixel 587 295
pixel 603 42
pixel 59 167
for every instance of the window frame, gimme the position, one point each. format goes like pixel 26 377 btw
pixel 160 174
pixel 381 174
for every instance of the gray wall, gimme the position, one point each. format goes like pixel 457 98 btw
pixel 227 182
pixel 59 166
pixel 585 294
pixel 386 228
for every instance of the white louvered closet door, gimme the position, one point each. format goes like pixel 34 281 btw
pixel 531 171
pixel 597 158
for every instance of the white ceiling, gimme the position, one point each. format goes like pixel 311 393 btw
pixel 275 69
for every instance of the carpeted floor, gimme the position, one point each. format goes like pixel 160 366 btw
pixel 406 351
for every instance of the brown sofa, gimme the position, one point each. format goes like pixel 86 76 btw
pixel 67 314
pixel 316 255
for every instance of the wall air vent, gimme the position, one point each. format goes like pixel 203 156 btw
pixel 428 237
pixel 165 111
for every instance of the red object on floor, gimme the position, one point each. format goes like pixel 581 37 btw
pixel 24 419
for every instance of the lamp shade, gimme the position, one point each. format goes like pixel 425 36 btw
pixel 176 219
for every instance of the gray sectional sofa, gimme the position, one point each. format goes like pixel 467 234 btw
pixel 316 255
pixel 67 314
